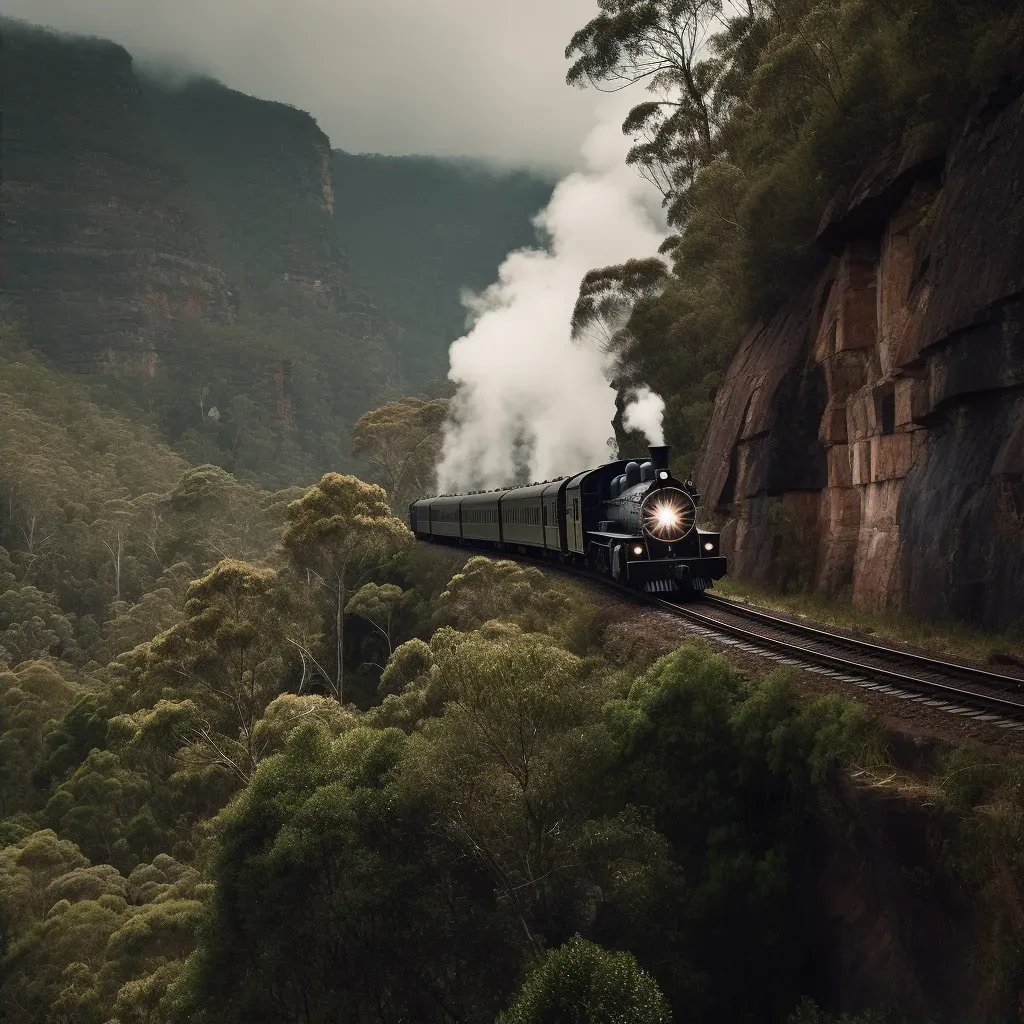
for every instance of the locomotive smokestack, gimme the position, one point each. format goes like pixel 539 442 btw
pixel 659 456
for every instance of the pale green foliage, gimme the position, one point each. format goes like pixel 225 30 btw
pixel 101 520
pixel 341 524
pixel 32 696
pixel 27 867
pixel 225 664
pixel 33 626
pixel 217 516
pixel 487 589
pixel 89 942
pixel 411 682
pixel 401 442
pixel 500 590
pixel 338 533
pixel 409 662
pixel 133 624
pixel 379 605
pixel 511 758
pixel 286 713
pixel 101 808
pixel 581 983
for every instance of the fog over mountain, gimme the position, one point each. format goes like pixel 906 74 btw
pixel 457 77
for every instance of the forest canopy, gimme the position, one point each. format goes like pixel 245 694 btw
pixel 758 114
pixel 261 758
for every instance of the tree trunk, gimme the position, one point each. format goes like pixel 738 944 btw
pixel 339 632
pixel 117 567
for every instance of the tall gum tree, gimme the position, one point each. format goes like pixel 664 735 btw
pixel 663 44
pixel 224 663
pixel 338 532
pixel 401 442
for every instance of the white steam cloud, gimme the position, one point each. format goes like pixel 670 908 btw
pixel 645 413
pixel 532 402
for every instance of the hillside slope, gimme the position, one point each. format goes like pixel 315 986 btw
pixel 99 256
pixel 203 252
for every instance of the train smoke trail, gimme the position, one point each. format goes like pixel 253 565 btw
pixel 532 403
pixel 645 413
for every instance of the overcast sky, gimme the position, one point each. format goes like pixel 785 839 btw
pixel 481 78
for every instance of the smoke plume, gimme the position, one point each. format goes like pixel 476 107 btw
pixel 645 413
pixel 532 404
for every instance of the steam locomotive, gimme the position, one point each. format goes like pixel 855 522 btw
pixel 628 520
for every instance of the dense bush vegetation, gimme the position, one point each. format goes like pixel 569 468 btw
pixel 264 759
pixel 759 113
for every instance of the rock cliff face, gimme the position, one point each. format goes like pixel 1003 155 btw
pixel 900 928
pixel 259 184
pixel 99 258
pixel 869 439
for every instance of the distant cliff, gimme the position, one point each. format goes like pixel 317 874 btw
pixel 99 256
pixel 869 438
pixel 188 247
pixel 258 183
pixel 420 230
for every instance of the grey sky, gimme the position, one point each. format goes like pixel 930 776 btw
pixel 475 77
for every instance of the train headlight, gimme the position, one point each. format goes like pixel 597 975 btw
pixel 663 474
pixel 708 546
pixel 638 550
pixel 668 515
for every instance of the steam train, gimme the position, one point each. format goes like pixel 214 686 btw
pixel 628 520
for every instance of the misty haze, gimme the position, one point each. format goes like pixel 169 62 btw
pixel 511 513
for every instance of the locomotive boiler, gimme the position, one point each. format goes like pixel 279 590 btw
pixel 630 520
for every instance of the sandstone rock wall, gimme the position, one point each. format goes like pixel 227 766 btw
pixel 899 927
pixel 869 440
pixel 260 181
pixel 99 258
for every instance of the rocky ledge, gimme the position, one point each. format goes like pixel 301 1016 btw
pixel 99 257
pixel 869 439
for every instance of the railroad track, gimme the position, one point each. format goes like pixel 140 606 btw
pixel 965 690
pixel 958 689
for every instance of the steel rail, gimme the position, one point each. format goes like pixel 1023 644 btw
pixel 876 650
pixel 987 701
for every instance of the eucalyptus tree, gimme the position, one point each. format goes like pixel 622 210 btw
pixel 338 533
pixel 216 672
pixel 581 983
pixel 664 44
pixel 401 442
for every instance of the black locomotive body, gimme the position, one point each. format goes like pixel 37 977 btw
pixel 629 520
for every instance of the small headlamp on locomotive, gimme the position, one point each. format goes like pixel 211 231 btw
pixel 646 532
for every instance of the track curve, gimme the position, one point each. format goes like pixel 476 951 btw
pixel 965 690
pixel 959 688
